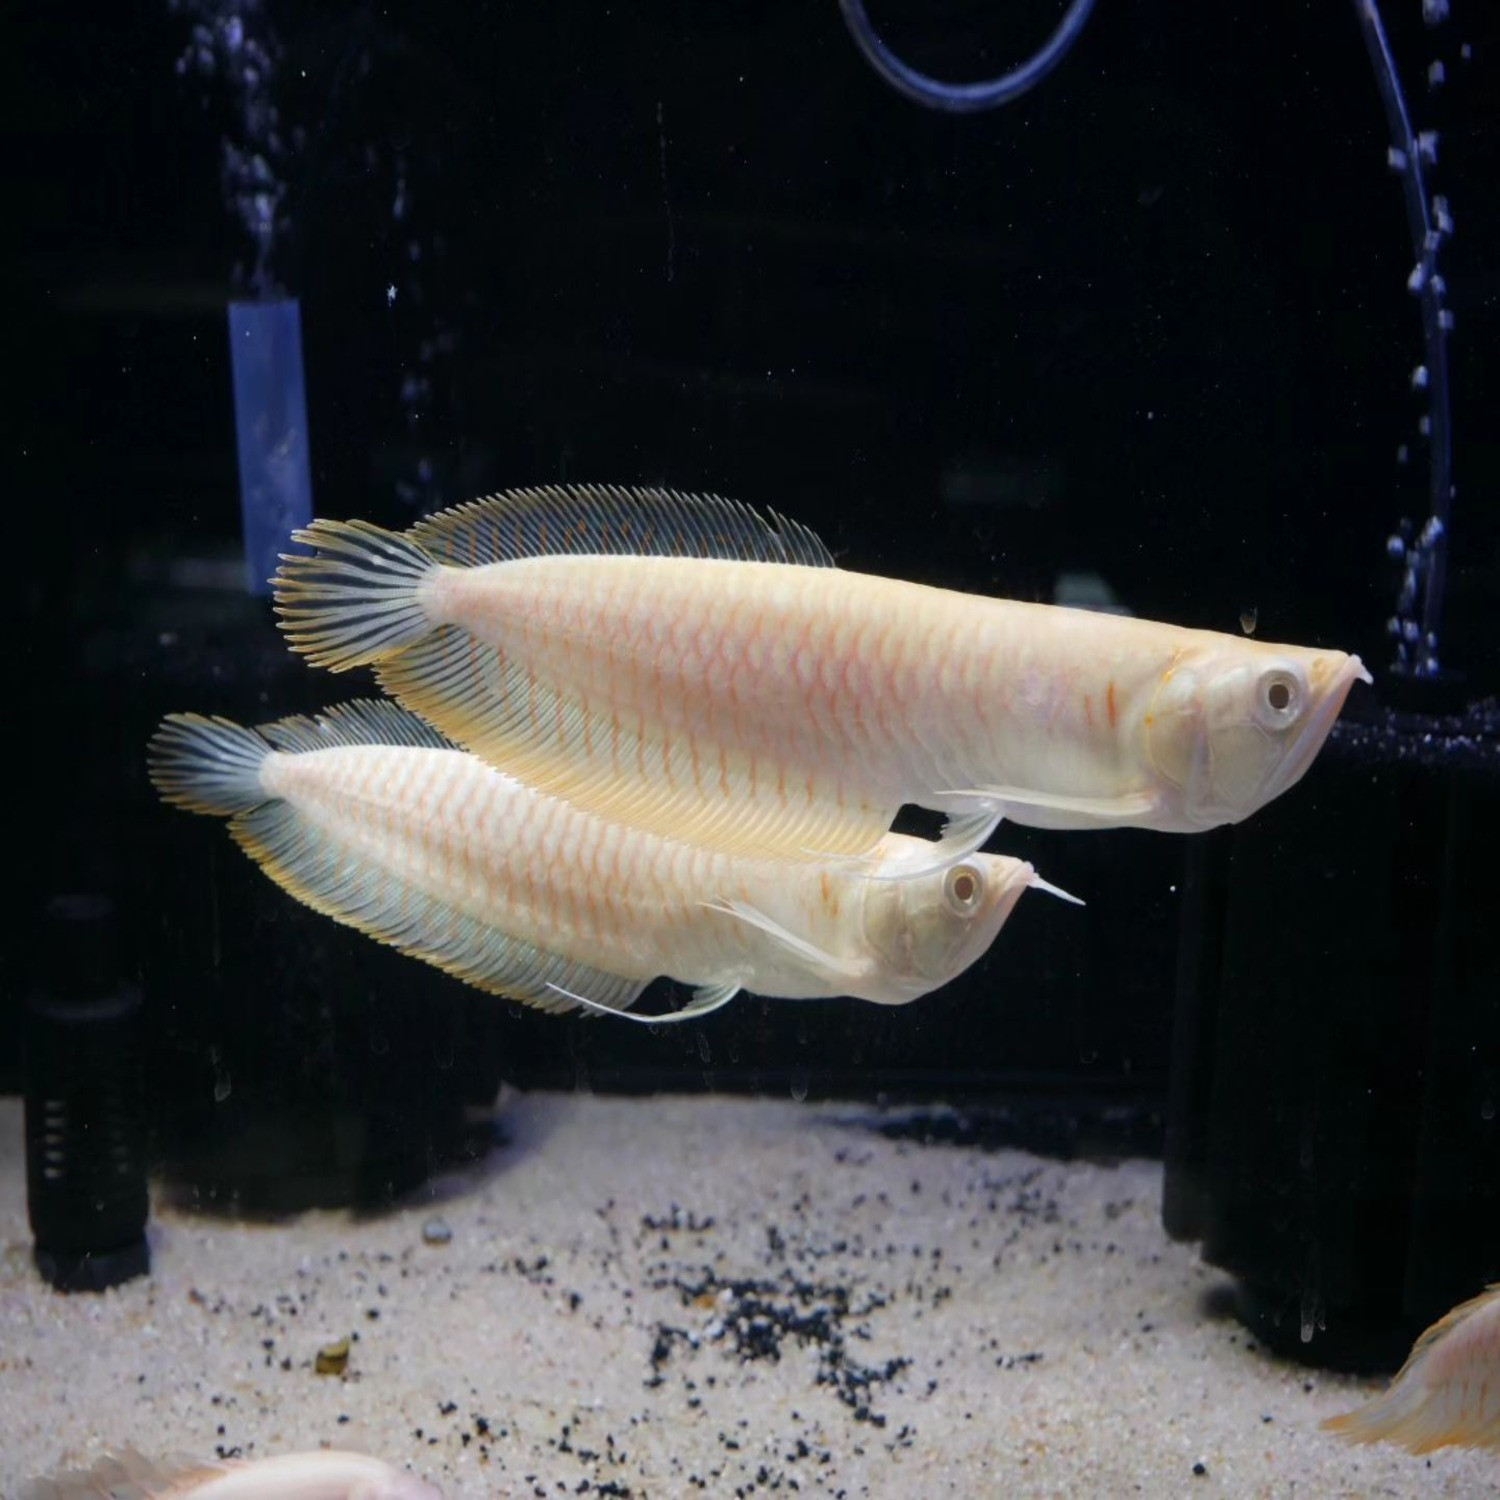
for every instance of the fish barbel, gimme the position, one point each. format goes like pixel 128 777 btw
pixel 682 663
pixel 1448 1391
pixel 321 1475
pixel 367 815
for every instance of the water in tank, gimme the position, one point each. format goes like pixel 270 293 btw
pixel 755 750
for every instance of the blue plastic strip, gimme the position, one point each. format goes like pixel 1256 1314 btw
pixel 270 424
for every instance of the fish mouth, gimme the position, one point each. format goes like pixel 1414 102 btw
pixel 1315 730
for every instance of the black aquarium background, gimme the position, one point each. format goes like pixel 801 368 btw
pixel 1150 323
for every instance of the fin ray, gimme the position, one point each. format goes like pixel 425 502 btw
pixel 207 765
pixel 354 600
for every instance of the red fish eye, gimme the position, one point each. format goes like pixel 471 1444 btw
pixel 1279 699
pixel 962 888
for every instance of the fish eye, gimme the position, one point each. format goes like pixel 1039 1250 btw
pixel 961 888
pixel 1278 698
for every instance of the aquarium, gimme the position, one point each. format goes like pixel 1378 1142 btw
pixel 757 750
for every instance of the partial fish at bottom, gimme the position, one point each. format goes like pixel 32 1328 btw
pixel 1448 1391
pixel 322 1475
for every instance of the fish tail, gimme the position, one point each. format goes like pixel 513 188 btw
pixel 207 765
pixel 1407 1414
pixel 1421 1414
pixel 357 599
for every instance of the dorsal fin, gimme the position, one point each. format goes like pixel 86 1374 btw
pixel 613 520
pixel 361 721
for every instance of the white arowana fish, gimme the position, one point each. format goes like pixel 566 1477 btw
pixel 1447 1392
pixel 680 663
pixel 366 815
pixel 321 1475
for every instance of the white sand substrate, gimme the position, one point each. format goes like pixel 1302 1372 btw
pixel 697 1295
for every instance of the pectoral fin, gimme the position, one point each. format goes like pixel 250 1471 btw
pixel 706 999
pixel 808 953
pixel 1055 809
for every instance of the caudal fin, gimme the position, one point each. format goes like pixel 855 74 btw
pixel 356 600
pixel 1446 1393
pixel 207 765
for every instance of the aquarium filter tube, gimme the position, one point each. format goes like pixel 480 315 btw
pixel 86 1192
pixel 270 423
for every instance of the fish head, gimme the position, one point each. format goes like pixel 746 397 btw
pixel 927 928
pixel 1232 726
